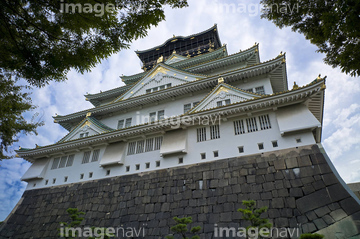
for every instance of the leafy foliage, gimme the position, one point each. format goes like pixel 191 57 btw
pixel 42 40
pixel 253 215
pixel 332 25
pixel 181 228
pixel 311 236
pixel 13 103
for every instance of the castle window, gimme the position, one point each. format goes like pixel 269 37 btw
pixel 264 122
pixel 251 124
pixel 214 132
pixel 127 168
pixel 90 175
pixel 162 87
pixel 298 140
pixel 95 156
pixel 86 157
pixel 216 154
pixel 55 163
pixel 187 107
pixel 137 166
pixel 181 160
pixel 82 135
pixel 149 145
pixel 161 114
pixel 201 134
pixel 195 103
pixel 140 146
pixel 82 176
pixel 108 172
pixel 241 149
pixel 274 144
pixel 219 103
pixel 128 122
pixel 203 155
pixel 70 160
pixel 158 142
pixel 239 127
pixel 34 185
pixel 131 148
pixel 46 182
pixel 65 179
pixel 152 116
pixel 261 146
pixel 148 91
pixel 227 102
pixel 147 165
pixel 250 90
pixel 168 85
pixel 260 90
pixel 54 180
pixel 157 163
pixel 62 162
pixel 121 124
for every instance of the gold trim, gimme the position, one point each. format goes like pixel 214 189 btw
pixel 88 114
pixel 160 69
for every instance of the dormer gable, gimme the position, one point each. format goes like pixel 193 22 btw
pixel 160 78
pixel 175 58
pixel 223 94
pixel 87 127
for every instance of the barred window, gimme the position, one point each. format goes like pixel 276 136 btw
pixel 162 87
pixel 158 142
pixel 227 102
pixel 86 157
pixel 214 132
pixel 260 90
pixel 55 163
pixel 168 85
pixel 264 122
pixel 149 145
pixel 120 124
pixel 201 134
pixel 161 115
pixel 152 116
pixel 251 124
pixel 95 156
pixel 187 107
pixel 63 162
pixel 128 122
pixel 70 160
pixel 140 146
pixel 239 127
pixel 219 103
pixel 131 148
pixel 148 91
pixel 250 90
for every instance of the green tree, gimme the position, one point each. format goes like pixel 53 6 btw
pixel 181 228
pixel 13 102
pixel 332 25
pixel 253 215
pixel 40 41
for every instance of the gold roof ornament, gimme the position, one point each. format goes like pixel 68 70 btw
pixel 88 114
pixel 19 147
pixel 36 146
pixel 174 35
pixel 319 77
pixel 295 86
pixel 283 60
pixel 174 52
pixel 220 80
pixel 255 43
pixel 56 114
pixel 281 53
pixel 161 59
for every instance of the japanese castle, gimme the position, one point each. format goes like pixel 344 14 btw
pixel 193 103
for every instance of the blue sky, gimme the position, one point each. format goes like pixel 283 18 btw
pixel 239 27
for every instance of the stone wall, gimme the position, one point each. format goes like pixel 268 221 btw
pixel 299 185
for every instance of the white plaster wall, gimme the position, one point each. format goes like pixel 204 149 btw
pixel 256 82
pixel 227 146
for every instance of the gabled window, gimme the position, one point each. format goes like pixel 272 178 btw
pixel 260 90
pixel 161 87
pixel 153 116
pixel 219 103
pixel 188 106
pixel 223 102
pixel 227 102
pixel 82 135
pixel 128 122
